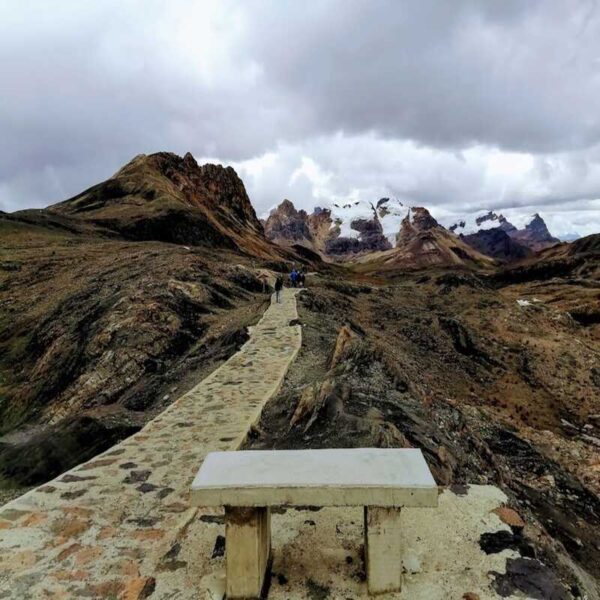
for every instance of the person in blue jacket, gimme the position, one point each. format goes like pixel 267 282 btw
pixel 294 277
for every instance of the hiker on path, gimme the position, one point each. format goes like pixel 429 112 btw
pixel 294 277
pixel 302 276
pixel 278 287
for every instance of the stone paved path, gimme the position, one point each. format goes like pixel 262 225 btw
pixel 113 527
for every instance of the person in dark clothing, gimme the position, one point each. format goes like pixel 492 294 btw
pixel 278 288
pixel 301 277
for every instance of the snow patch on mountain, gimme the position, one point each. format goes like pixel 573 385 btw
pixel 479 221
pixel 489 219
pixel 484 231
pixel 343 215
pixel 390 213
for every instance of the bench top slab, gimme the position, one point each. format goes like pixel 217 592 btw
pixel 332 477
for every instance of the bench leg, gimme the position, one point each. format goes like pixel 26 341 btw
pixel 383 546
pixel 248 548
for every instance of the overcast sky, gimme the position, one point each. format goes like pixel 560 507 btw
pixel 457 106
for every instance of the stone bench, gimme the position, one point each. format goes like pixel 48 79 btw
pixel 248 483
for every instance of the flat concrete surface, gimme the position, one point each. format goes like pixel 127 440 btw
pixel 332 477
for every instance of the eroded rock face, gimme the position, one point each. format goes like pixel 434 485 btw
pixel 416 221
pixel 320 226
pixel 334 235
pixel 285 224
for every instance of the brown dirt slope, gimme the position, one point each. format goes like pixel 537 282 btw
pixel 491 389
pixel 96 334
pixel 434 247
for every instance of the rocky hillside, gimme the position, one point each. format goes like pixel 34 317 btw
pixel 497 243
pixel 579 260
pixel 498 382
pixel 115 300
pixel 420 249
pixel 494 235
pixel 387 232
pixel 168 198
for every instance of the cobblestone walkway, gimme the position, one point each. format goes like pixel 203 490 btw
pixel 114 526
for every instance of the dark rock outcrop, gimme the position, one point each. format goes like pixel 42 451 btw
pixel 497 243
pixel 370 238
pixel 285 224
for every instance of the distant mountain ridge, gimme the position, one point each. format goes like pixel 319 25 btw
pixel 387 231
pixel 357 228
pixel 494 235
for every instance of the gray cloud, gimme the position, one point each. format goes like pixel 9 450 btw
pixel 514 74
pixel 456 105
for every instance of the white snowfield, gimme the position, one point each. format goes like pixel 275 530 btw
pixel 390 213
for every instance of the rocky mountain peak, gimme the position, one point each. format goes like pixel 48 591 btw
pixel 422 219
pixel 493 234
pixel 287 208
pixel 167 197
pixel 538 225
pixel 163 175
pixel 418 219
pixel 189 160
pixel 286 224
pixel 535 235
